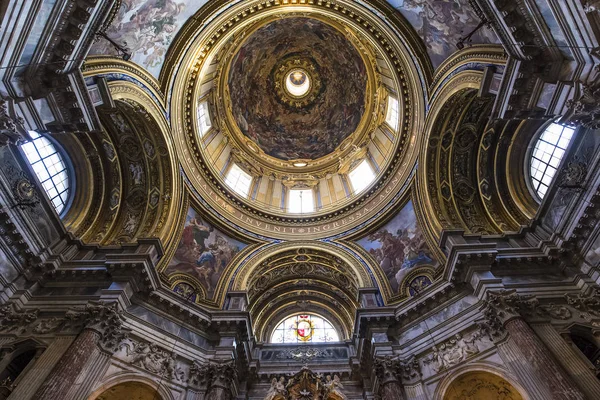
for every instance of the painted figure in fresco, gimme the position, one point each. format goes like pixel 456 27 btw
pixel 203 252
pixel 441 24
pixel 399 252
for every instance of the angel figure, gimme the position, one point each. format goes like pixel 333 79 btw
pixel 334 387
pixel 277 389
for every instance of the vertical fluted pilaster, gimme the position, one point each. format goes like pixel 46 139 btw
pixel 548 370
pixel 63 376
pixel 527 354
pixel 570 361
pixel 415 392
pixel 40 370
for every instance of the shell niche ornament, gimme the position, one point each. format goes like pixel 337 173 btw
pixel 304 328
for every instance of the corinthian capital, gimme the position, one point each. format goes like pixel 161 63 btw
pixel 103 318
pixel 503 306
pixel 387 369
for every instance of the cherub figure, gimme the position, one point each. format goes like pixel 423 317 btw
pixel 277 389
pixel 334 387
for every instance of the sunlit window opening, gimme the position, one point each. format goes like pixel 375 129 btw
pixel 549 150
pixel 204 118
pixel 238 180
pixel 49 168
pixel 392 115
pixel 301 201
pixel 304 328
pixel 361 176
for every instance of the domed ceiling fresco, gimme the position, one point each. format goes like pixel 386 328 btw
pixel 313 122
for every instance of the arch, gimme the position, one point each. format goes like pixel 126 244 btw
pixel 244 271
pixel 496 376
pixel 146 386
pixel 465 170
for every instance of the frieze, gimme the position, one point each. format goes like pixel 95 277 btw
pixel 304 354
pixel 152 358
pixel 454 351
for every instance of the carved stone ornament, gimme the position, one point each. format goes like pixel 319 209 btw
pixel 103 318
pixel 588 307
pixel 410 370
pixel 454 351
pixel 15 321
pixel 584 109
pixel 387 369
pixel 304 354
pixel 508 304
pixel 11 126
pixel 154 359
pixel 277 390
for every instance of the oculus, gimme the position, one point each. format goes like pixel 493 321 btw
pixel 297 83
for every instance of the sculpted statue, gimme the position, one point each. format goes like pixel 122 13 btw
pixel 277 389
pixel 334 387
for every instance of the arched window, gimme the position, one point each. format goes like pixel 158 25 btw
pixel 304 328
pixel 361 176
pixel 50 168
pixel 301 201
pixel 239 180
pixel 549 150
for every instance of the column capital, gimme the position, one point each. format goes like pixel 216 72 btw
pixel 213 374
pixel 503 306
pixel 387 369
pixel 105 319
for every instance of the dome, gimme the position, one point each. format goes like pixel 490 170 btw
pixel 304 95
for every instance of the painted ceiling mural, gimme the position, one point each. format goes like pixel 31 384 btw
pixel 398 247
pixel 203 252
pixel 147 28
pixel 284 130
pixel 441 24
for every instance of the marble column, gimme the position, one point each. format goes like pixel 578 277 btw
pixel 564 351
pixel 527 355
pixel 387 372
pixel 102 328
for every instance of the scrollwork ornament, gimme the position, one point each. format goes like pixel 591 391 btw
pixel 105 319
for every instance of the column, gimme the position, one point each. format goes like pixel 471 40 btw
pixel 102 328
pixel 525 352
pixel 572 362
pixel 386 370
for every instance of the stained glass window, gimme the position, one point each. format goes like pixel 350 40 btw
pixel 304 328
pixel 547 154
pixel 50 169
